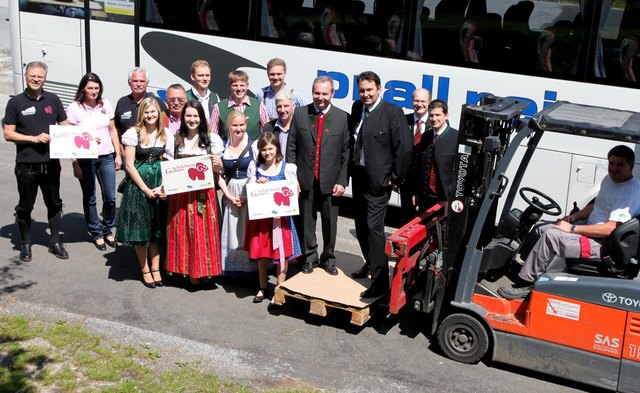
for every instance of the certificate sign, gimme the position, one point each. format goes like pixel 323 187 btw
pixel 272 199
pixel 187 174
pixel 73 142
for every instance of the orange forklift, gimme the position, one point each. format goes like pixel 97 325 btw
pixel 582 322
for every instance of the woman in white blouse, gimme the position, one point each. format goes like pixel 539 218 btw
pixel 143 214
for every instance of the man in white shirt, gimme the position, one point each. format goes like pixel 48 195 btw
pixel 201 77
pixel 580 235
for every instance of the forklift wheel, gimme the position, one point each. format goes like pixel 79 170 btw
pixel 463 338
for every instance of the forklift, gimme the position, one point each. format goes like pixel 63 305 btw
pixel 581 322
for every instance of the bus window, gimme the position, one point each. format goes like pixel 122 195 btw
pixel 355 26
pixel 228 18
pixel 121 11
pixel 618 43
pixel 72 9
pixel 530 37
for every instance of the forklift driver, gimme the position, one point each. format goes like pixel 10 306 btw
pixel 618 201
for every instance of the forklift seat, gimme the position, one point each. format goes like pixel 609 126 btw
pixel 620 255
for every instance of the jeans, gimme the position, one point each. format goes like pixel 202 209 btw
pixel 102 168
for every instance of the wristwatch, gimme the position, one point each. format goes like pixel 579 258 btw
pixel 573 228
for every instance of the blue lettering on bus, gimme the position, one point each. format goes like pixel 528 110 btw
pixel 399 92
pixel 341 80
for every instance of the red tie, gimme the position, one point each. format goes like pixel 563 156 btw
pixel 416 134
pixel 432 168
pixel 320 121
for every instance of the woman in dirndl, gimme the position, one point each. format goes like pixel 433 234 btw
pixel 142 217
pixel 193 234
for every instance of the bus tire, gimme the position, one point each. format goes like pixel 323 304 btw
pixel 463 338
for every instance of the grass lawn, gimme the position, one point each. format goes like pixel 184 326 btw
pixel 38 356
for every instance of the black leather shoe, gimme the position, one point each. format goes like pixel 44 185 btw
pixel 58 250
pixel 149 285
pixel 101 247
pixel 307 267
pixel 373 292
pixel 25 252
pixel 331 269
pixel 260 298
pixel 159 283
pixel 363 272
pixel 111 243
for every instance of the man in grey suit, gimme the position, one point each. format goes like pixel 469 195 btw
pixel 381 157
pixel 319 145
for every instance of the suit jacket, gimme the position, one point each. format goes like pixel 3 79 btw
pixel 334 147
pixel 444 161
pixel 387 144
pixel 271 127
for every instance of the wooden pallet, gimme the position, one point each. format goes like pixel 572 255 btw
pixel 320 307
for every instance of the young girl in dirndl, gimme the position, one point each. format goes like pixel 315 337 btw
pixel 271 240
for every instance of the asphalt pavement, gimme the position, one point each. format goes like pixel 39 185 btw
pixel 221 325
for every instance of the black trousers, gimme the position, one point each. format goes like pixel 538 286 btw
pixel 311 202
pixel 408 210
pixel 370 211
pixel 30 177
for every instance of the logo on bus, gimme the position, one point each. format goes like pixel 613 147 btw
pixel 399 92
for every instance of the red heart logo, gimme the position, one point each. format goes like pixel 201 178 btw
pixel 278 198
pixel 193 173
pixel 81 143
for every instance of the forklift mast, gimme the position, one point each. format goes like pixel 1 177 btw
pixel 428 251
pixel 483 137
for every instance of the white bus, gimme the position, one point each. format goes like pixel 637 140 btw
pixel 540 51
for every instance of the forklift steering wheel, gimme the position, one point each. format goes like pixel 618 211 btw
pixel 551 207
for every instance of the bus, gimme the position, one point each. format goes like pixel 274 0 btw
pixel 539 51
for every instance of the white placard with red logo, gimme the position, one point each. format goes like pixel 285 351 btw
pixel 73 142
pixel 272 199
pixel 187 174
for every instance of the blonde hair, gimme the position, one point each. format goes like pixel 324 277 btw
pixel 235 76
pixel 199 63
pixel 141 129
pixel 232 115
pixel 276 62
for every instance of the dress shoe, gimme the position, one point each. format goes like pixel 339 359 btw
pixel 58 250
pixel 260 297
pixel 151 284
pixel 372 292
pixel 331 269
pixel 25 252
pixel 363 272
pixel 113 243
pixel 308 267
pixel 100 246
pixel 159 283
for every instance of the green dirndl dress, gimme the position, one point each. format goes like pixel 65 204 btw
pixel 140 220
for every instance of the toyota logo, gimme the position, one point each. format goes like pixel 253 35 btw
pixel 609 297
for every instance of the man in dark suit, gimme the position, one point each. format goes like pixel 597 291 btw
pixel 436 158
pixel 418 122
pixel 380 160
pixel 319 145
